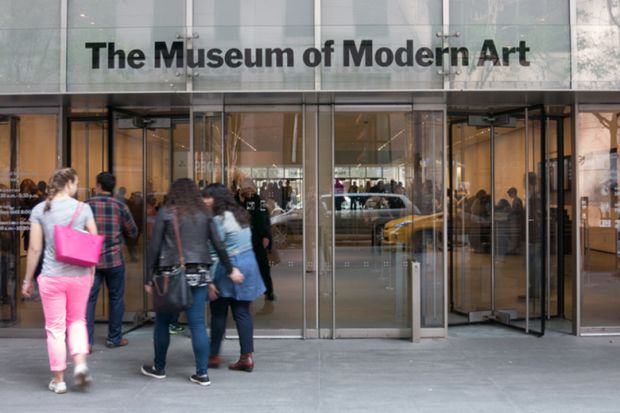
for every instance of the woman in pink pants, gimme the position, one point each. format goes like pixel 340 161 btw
pixel 64 288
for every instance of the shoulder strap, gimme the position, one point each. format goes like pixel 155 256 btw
pixel 177 235
pixel 78 209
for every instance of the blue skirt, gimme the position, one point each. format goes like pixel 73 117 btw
pixel 251 287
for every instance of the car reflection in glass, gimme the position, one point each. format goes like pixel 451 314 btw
pixel 359 217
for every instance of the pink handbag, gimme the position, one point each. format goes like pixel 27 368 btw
pixel 77 247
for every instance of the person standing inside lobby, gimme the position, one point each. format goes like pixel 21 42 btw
pixel 114 221
pixel 261 230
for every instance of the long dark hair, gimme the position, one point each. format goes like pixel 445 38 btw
pixel 59 180
pixel 224 201
pixel 185 198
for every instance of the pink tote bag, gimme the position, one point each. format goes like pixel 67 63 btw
pixel 77 247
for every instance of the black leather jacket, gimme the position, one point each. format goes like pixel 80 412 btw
pixel 195 234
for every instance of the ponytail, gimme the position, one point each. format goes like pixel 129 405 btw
pixel 58 181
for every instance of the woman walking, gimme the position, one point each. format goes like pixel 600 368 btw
pixel 234 226
pixel 185 209
pixel 64 288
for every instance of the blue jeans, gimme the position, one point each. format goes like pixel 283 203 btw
pixel 115 280
pixel 243 320
pixel 196 321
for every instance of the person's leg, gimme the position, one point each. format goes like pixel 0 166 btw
pixel 115 279
pixel 245 326
pixel 219 312
pixel 54 309
pixel 92 306
pixel 78 291
pixel 265 270
pixel 200 338
pixel 161 340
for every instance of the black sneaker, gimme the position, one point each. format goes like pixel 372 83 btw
pixel 151 371
pixel 202 380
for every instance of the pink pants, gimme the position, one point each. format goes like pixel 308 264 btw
pixel 64 305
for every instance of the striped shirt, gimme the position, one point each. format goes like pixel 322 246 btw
pixel 113 221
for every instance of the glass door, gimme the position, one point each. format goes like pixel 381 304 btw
pixel 9 226
pixel 149 152
pixel 498 223
pixel 263 154
pixel 88 140
pixel 387 203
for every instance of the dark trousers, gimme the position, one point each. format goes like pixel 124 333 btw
pixel 196 320
pixel 243 319
pixel 263 265
pixel 115 280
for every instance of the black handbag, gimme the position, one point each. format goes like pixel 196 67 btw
pixel 171 293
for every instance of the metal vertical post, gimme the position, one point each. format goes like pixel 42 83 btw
pixel 416 294
pixel 527 224
pixel 492 141
pixel 333 240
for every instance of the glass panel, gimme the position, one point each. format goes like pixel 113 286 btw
pixel 207 148
pixel 275 29
pixel 536 181
pixel 470 285
pixel 9 235
pixel 123 27
pixel 36 160
pixel 89 153
pixel 424 171
pixel 273 141
pixel 597 31
pixel 181 151
pixel 388 24
pixel 89 157
pixel 597 175
pixel 538 31
pixel 398 218
pixel 30 39
pixel 510 201
pixel 129 169
pixel 324 204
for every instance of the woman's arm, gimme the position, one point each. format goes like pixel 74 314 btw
pixel 34 254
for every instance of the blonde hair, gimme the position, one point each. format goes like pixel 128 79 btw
pixel 58 181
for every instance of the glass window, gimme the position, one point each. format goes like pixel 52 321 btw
pixel 599 208
pixel 531 31
pixel 122 27
pixel 30 39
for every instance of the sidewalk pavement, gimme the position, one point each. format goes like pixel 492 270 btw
pixel 478 369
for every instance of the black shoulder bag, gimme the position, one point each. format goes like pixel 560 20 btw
pixel 171 293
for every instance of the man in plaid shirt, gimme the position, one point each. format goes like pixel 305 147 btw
pixel 113 221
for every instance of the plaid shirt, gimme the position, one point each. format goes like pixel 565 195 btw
pixel 113 221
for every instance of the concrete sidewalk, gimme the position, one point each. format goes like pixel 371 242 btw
pixel 478 369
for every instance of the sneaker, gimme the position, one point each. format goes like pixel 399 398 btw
pixel 202 380
pixel 59 387
pixel 151 371
pixel 175 328
pixel 81 375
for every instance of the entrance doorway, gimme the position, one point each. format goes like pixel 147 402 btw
pixel 499 222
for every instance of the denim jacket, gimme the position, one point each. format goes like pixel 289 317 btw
pixel 236 238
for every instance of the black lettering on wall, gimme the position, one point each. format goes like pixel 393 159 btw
pixel 350 51
pixel 112 53
pixel 258 60
pixel 95 56
pixel 424 56
pixel 279 54
pixel 175 53
pixel 488 53
pixel 192 62
pixel 454 56
pixel 215 58
pixel 135 59
pixel 404 55
pixel 523 49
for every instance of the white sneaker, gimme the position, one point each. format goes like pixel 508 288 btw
pixel 58 387
pixel 81 375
